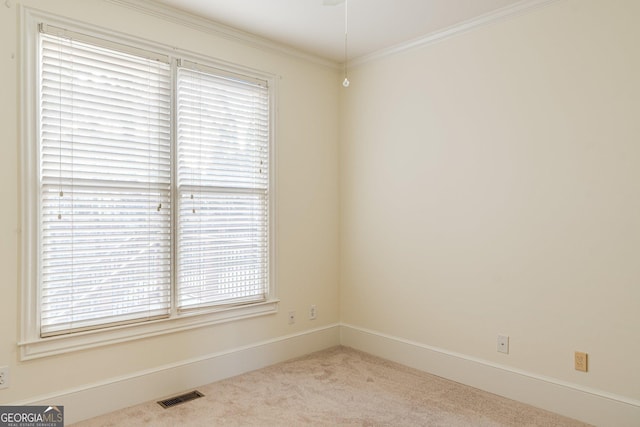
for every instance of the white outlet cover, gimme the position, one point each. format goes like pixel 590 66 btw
pixel 503 344
pixel 4 377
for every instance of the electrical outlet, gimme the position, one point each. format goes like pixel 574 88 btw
pixel 313 313
pixel 4 377
pixel 292 317
pixel 580 361
pixel 503 344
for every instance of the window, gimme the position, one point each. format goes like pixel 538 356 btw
pixel 223 181
pixel 153 205
pixel 105 186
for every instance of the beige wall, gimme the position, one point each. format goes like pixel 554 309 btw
pixel 307 207
pixel 490 184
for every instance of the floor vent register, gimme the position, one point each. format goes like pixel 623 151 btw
pixel 176 400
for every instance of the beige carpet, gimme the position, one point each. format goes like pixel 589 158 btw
pixel 337 387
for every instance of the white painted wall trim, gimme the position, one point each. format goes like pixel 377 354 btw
pixel 572 400
pixel 589 405
pixel 206 25
pixel 199 23
pixel 515 9
pixel 164 381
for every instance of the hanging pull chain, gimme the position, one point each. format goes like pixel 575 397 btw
pixel 345 82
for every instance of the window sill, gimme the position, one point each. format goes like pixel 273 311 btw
pixel 44 347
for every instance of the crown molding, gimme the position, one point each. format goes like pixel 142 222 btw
pixel 199 23
pixel 515 9
pixel 205 25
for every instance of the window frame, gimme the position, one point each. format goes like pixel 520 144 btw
pixel 31 344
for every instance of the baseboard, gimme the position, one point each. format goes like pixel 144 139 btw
pixel 572 400
pixel 117 393
pixel 591 406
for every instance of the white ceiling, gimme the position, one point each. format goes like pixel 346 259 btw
pixel 313 27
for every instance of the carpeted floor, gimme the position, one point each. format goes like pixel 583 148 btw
pixel 336 387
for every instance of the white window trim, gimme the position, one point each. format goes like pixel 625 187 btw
pixel 31 345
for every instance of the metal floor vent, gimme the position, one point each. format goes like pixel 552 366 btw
pixel 173 401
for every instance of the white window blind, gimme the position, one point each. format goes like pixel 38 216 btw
pixel 105 185
pixel 223 187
